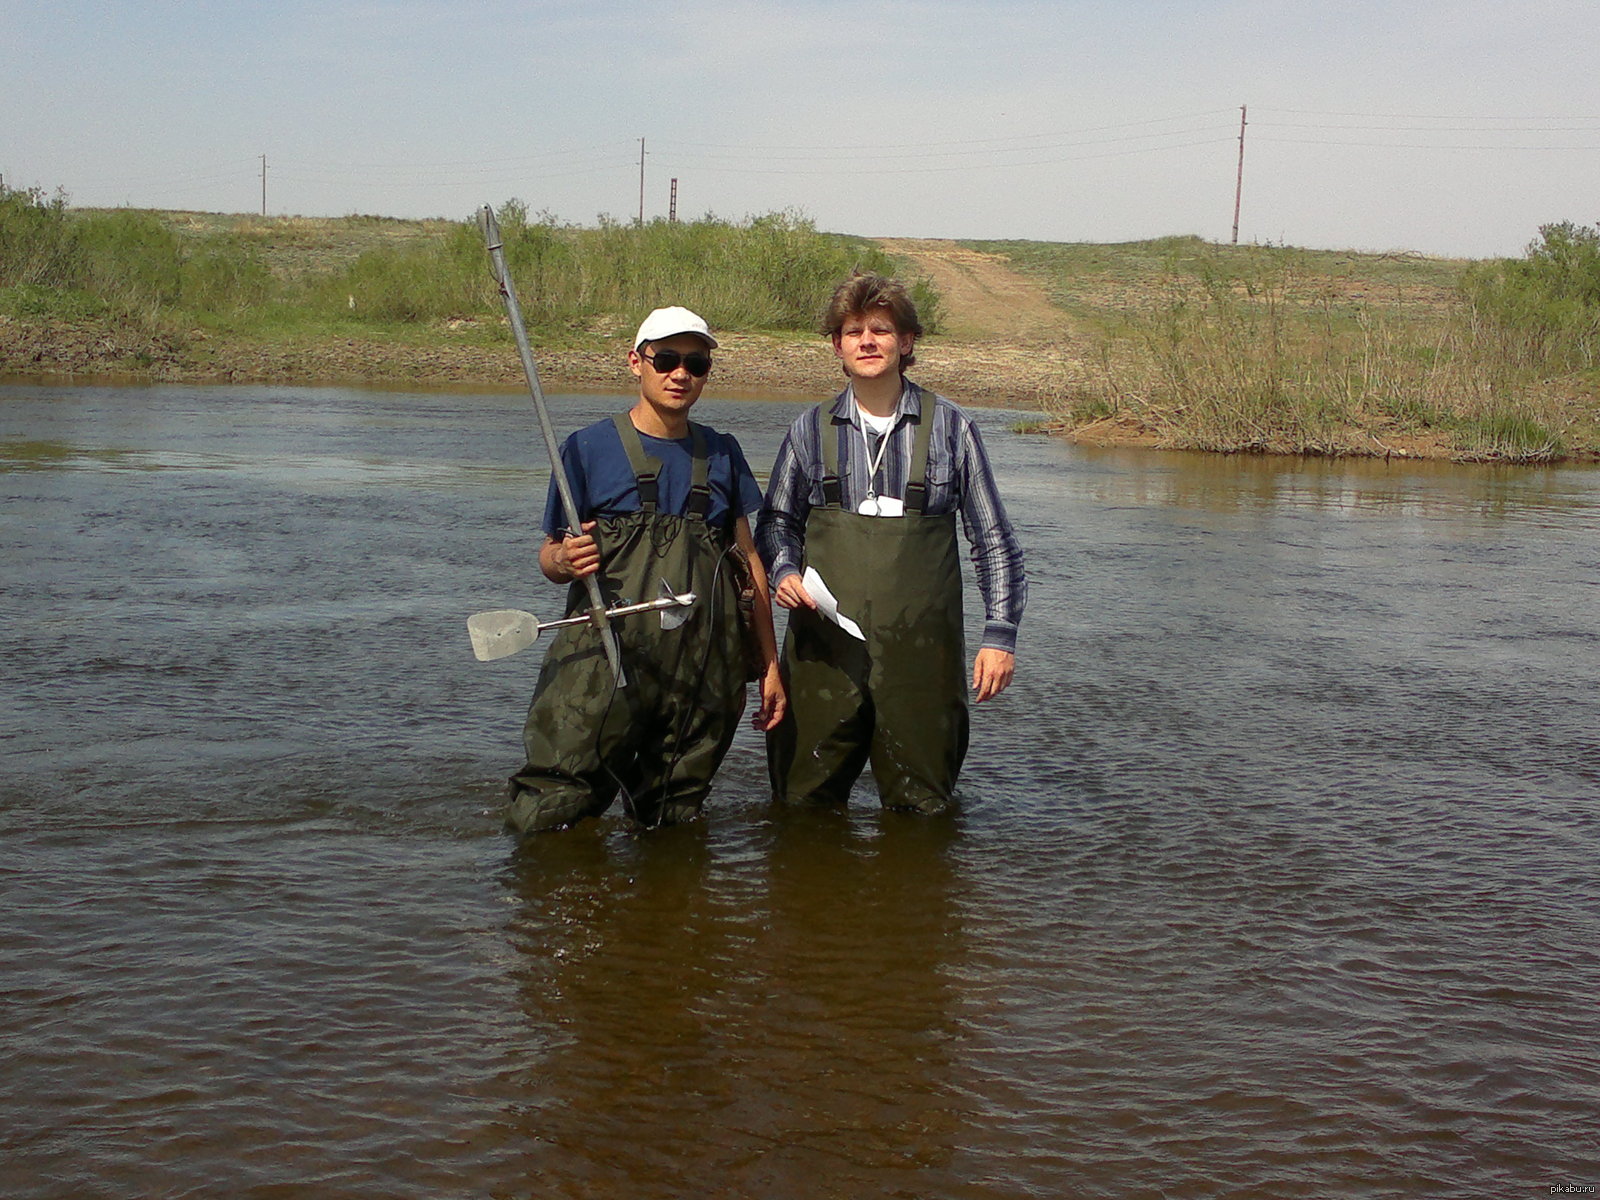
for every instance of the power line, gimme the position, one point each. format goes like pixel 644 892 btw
pixel 1045 162
pixel 868 147
pixel 1312 112
pixel 410 178
pixel 520 160
pixel 1433 128
pixel 873 155
pixel 1427 146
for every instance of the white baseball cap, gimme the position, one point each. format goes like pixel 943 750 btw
pixel 668 322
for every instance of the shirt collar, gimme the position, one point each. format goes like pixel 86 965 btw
pixel 909 405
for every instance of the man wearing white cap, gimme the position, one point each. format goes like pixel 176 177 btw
pixel 662 500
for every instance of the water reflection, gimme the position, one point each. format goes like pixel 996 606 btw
pixel 793 1020
pixel 625 954
pixel 1360 486
pixel 861 936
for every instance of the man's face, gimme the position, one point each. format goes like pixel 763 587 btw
pixel 869 346
pixel 671 391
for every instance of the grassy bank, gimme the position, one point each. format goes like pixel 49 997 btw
pixel 1261 348
pixel 176 294
pixel 1173 342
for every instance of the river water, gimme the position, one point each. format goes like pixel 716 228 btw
pixel 1275 875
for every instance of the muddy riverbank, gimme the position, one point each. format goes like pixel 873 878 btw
pixel 1044 336
pixel 980 373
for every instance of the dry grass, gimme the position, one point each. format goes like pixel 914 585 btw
pixel 1172 342
pixel 1269 349
pixel 296 247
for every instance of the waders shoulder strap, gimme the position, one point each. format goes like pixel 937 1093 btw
pixel 646 470
pixel 917 479
pixel 828 436
pixel 699 505
pixel 916 496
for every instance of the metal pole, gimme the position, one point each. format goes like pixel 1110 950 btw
pixel 508 293
pixel 641 181
pixel 1238 183
pixel 263 185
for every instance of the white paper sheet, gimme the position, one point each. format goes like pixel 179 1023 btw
pixel 827 605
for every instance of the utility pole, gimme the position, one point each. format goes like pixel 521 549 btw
pixel 1238 183
pixel 672 208
pixel 263 185
pixel 641 181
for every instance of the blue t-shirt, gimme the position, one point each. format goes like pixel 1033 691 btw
pixel 603 483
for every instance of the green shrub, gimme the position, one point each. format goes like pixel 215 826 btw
pixel 129 258
pixel 770 272
pixel 34 244
pixel 223 280
pixel 125 261
pixel 1508 436
pixel 35 301
pixel 1546 305
pixel 1264 348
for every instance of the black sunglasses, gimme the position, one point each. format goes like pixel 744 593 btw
pixel 665 362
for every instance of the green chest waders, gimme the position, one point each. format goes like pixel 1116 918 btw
pixel 898 699
pixel 660 739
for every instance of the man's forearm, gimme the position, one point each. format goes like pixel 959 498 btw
pixel 780 543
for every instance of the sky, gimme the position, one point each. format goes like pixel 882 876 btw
pixel 1451 128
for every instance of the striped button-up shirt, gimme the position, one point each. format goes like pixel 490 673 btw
pixel 959 480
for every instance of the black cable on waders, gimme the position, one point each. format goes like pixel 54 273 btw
pixel 508 294
pixel 629 809
pixel 628 804
pixel 713 619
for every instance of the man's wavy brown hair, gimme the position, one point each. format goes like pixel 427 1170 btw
pixel 866 291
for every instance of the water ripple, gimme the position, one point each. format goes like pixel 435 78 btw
pixel 1273 875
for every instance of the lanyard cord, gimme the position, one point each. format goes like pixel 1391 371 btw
pixel 873 463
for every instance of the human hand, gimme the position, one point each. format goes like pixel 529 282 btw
pixel 774 701
pixel 791 593
pixel 572 557
pixel 991 673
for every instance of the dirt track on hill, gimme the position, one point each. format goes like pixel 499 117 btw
pixel 984 299
pixel 1003 341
